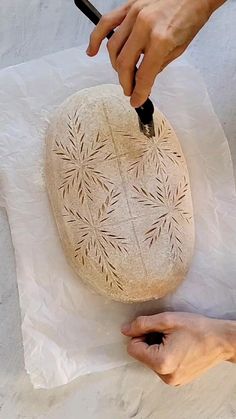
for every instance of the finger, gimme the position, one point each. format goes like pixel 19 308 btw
pixel 128 58
pixel 142 352
pixel 121 35
pixel 106 24
pixel 146 324
pixel 128 54
pixel 118 40
pixel 146 74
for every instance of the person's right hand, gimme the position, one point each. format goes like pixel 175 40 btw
pixel 161 30
pixel 191 345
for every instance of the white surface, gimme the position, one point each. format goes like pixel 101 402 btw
pixel 102 395
pixel 33 28
pixel 66 330
pixel 213 52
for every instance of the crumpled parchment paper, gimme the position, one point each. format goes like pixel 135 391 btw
pixel 68 330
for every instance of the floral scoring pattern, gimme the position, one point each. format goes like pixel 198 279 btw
pixel 97 237
pixel 171 211
pixel 79 157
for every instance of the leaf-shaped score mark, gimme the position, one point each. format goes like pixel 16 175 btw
pixel 80 158
pixel 95 238
pixel 149 199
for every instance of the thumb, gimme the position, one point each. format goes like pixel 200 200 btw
pixel 162 322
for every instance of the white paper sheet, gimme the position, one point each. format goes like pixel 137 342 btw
pixel 67 330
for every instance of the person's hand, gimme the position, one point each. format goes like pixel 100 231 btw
pixel 159 29
pixel 191 344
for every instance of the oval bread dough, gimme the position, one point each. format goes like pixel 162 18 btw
pixel 121 201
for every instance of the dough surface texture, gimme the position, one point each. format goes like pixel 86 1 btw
pixel 122 202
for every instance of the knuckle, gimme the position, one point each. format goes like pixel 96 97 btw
pixel 105 20
pixel 121 63
pixel 144 17
pixel 147 17
pixel 167 319
pixel 162 369
pixel 171 380
pixel 140 322
pixel 160 38
pixel 136 8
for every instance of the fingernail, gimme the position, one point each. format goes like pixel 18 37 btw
pixel 134 101
pixel 125 328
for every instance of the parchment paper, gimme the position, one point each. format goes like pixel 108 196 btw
pixel 67 330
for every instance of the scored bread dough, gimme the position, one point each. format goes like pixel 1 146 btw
pixel 121 201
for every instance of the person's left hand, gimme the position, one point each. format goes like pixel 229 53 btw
pixel 191 344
